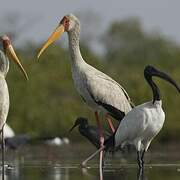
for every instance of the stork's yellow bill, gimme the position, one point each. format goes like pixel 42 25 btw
pixel 9 51
pixel 53 37
pixel 12 55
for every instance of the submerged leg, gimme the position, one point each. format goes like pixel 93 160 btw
pixel 3 152
pixel 110 123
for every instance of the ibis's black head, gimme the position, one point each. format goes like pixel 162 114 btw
pixel 150 71
pixel 79 121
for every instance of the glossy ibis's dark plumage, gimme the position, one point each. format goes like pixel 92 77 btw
pixel 88 131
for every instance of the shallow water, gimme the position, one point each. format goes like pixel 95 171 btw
pixel 62 163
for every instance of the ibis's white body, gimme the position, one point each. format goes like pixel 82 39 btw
pixel 4 93
pixel 140 125
pixel 92 82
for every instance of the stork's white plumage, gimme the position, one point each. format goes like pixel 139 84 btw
pixel 143 122
pixel 97 89
pixel 4 94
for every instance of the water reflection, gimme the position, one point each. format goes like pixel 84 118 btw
pixel 141 175
pixel 63 164
pixel 44 172
pixel 131 173
pixel 119 174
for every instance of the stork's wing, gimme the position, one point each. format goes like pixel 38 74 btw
pixel 108 93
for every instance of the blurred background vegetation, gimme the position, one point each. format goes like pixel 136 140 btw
pixel 48 103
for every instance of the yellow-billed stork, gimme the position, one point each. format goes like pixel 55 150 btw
pixel 7 52
pixel 98 90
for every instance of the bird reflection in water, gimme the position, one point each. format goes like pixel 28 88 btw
pixel 114 173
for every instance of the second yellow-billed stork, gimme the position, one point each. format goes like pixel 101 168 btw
pixel 7 52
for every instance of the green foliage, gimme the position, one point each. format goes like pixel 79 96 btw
pixel 48 103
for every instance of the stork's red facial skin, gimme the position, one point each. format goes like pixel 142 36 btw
pixel 65 23
pixel 10 53
pixel 6 42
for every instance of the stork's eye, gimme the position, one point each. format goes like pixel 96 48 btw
pixel 66 22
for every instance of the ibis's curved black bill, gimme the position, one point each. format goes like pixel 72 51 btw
pixel 150 71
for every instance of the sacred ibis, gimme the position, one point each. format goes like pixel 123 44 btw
pixel 143 122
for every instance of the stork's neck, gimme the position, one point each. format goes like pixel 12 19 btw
pixel 4 64
pixel 74 48
pixel 155 89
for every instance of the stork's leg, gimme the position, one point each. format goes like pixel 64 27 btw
pixel 101 139
pixel 101 149
pixel 83 164
pixel 3 152
pixel 110 123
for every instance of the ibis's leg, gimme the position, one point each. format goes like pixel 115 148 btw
pixel 101 139
pixel 3 152
pixel 110 123
pixel 139 159
pixel 142 158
